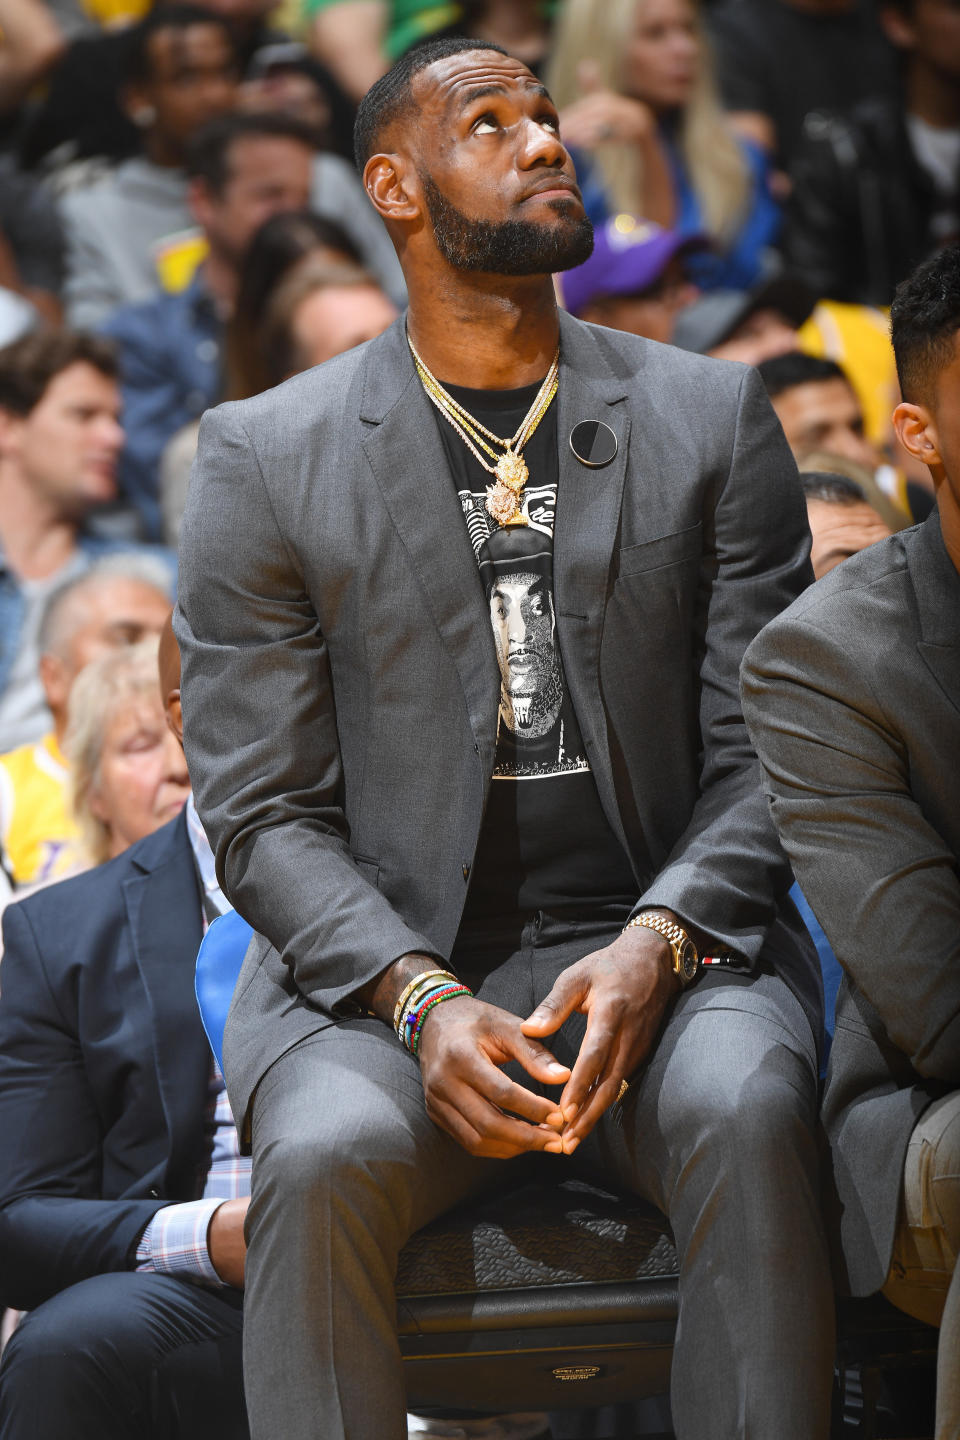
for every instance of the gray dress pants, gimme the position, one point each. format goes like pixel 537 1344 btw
pixel 718 1130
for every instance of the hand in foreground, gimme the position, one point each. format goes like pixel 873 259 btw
pixel 463 1044
pixel 225 1243
pixel 623 990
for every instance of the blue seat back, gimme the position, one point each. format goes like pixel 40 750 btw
pixel 218 966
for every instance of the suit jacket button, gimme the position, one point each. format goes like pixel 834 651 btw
pixel 466 872
pixel 154 1194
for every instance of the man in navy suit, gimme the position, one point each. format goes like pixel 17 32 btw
pixel 122 1194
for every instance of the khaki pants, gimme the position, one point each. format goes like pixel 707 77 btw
pixel 924 1279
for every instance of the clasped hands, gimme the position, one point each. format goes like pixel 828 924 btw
pixel 622 990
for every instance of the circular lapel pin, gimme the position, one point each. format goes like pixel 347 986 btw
pixel 593 443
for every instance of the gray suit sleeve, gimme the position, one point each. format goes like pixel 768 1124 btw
pixel 727 872
pixel 879 878
pixel 261 735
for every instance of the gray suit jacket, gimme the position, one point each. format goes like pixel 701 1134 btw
pixel 853 701
pixel 340 683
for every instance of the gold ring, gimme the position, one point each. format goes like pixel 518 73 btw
pixel 624 1087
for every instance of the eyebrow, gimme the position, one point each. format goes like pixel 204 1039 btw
pixel 482 92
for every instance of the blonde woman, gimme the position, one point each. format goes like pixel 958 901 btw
pixel 128 773
pixel 634 83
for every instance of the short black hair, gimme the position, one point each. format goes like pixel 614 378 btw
pixel 392 96
pixel 28 365
pixel 924 320
pixel 208 152
pixel 783 372
pixel 832 488
pixel 166 17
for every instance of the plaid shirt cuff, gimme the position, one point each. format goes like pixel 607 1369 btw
pixel 175 1241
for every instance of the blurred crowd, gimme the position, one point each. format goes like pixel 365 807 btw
pixel 181 223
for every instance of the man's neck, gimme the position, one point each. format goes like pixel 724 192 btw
pixel 37 539
pixel 933 97
pixel 486 337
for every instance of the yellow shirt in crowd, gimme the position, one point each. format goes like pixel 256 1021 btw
pixel 38 833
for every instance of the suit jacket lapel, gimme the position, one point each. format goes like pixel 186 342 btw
pixel 164 914
pixel 407 457
pixel 585 533
pixel 937 587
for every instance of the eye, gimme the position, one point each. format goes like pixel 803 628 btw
pixel 550 122
pixel 486 125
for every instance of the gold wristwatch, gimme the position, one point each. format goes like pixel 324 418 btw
pixel 686 961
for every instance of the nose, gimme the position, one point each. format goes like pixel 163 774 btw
pixel 541 146
pixel 174 761
pixel 111 434
pixel 516 626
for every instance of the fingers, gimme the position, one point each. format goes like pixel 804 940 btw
pixel 568 994
pixel 535 1058
pixel 591 1064
pixel 600 1098
pixel 484 1130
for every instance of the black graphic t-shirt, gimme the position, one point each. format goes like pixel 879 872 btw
pixel 545 842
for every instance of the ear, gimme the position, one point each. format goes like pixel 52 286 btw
pixel 897 27
pixel 174 714
pixel 11 432
pixel 391 182
pixel 137 105
pixel 198 200
pixel 55 682
pixel 917 432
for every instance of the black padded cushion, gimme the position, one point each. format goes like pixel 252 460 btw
pixel 538 1235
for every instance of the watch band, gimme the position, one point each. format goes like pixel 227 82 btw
pixel 669 929
pixel 676 937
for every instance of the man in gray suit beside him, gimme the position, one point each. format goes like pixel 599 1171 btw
pixel 461 616
pixel 852 698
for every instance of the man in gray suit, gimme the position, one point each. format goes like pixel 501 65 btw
pixel 462 705
pixel 852 698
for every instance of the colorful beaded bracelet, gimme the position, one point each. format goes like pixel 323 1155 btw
pixel 412 1012
pixel 427 1006
pixel 418 995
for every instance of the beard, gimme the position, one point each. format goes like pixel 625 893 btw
pixel 508 247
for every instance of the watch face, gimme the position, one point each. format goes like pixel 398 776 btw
pixel 688 960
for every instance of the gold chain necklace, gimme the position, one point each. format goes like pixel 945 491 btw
pixel 505 496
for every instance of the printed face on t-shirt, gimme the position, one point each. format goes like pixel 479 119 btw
pixel 521 610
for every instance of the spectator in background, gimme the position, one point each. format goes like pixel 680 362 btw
pixel 281 245
pixel 747 325
pixel 285 79
pixel 320 311
pixel 242 169
pixel 522 27
pixel 359 39
pixel 122 1192
pixel 336 192
pixel 636 279
pixel 819 410
pixel 128 775
pixel 634 84
pixel 33 44
pixel 841 519
pixel 278 248
pixel 60 439
pixel 878 190
pixel 779 59
pixel 182 72
pixel 119 601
